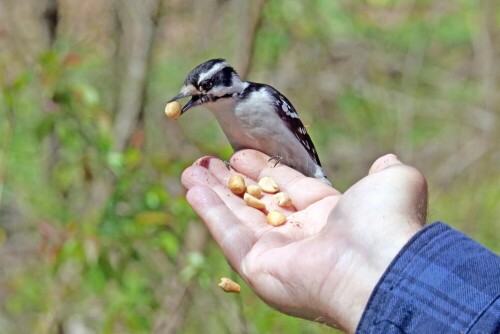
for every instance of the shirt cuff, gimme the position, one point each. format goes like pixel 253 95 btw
pixel 441 281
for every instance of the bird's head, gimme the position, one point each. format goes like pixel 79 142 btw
pixel 210 82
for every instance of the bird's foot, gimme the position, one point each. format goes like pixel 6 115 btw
pixel 228 165
pixel 277 160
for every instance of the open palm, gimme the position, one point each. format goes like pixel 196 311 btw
pixel 318 265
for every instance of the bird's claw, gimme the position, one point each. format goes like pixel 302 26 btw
pixel 228 165
pixel 278 159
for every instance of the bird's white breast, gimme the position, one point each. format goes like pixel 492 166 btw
pixel 253 123
pixel 248 123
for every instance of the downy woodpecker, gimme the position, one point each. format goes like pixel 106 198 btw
pixel 252 115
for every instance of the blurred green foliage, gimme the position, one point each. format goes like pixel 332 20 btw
pixel 99 237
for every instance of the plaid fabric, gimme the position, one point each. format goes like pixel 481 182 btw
pixel 440 282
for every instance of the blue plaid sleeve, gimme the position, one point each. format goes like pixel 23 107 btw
pixel 441 282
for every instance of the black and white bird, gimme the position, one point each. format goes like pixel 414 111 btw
pixel 252 115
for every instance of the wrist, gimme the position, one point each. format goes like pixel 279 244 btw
pixel 361 262
pixel 353 282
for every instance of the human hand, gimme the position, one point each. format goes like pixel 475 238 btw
pixel 325 262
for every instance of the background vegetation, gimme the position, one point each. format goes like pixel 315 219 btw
pixel 95 233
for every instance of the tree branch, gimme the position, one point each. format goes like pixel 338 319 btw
pixel 251 12
pixel 136 18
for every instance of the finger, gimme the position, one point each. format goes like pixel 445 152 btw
pixel 234 239
pixel 251 163
pixel 212 172
pixel 303 190
pixel 409 179
pixel 199 176
pixel 204 161
pixel 219 170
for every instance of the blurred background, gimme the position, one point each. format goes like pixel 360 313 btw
pixel 95 232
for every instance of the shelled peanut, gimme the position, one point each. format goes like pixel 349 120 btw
pixel 283 199
pixel 228 285
pixel 236 184
pixel 173 109
pixel 254 190
pixel 253 201
pixel 252 194
pixel 268 185
pixel 276 218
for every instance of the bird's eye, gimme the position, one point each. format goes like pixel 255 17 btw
pixel 206 85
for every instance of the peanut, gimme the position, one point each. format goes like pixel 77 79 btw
pixel 268 185
pixel 236 184
pixel 276 218
pixel 254 190
pixel 173 110
pixel 253 202
pixel 229 285
pixel 282 199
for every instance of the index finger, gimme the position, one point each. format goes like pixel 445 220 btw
pixel 234 239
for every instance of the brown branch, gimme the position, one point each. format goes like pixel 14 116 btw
pixel 136 19
pixel 51 18
pixel 251 12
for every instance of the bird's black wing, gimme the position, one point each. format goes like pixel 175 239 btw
pixel 289 115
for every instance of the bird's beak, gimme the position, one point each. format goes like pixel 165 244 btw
pixel 196 100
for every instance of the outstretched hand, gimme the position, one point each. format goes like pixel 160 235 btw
pixel 325 261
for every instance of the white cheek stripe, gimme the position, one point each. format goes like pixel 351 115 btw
pixel 212 71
